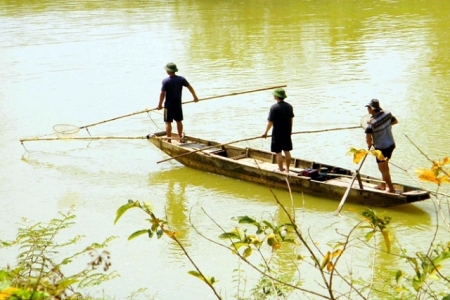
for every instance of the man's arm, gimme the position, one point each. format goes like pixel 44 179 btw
pixel 191 89
pixel 369 140
pixel 161 99
pixel 269 125
pixel 394 120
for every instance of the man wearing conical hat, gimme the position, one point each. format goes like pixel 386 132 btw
pixel 281 118
pixel 171 92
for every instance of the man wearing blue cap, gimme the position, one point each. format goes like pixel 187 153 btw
pixel 171 91
pixel 281 118
pixel 379 134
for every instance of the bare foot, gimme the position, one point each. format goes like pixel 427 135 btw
pixel 380 187
pixel 392 191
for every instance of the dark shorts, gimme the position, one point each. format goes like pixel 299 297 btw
pixel 387 153
pixel 171 114
pixel 282 143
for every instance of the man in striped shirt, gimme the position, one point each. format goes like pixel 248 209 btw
pixel 379 134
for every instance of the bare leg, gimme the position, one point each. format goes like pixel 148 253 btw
pixel 180 129
pixel 168 131
pixel 280 161
pixel 385 174
pixel 287 155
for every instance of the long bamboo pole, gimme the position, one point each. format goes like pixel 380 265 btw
pixel 74 129
pixel 187 102
pixel 84 138
pixel 254 138
pixel 341 204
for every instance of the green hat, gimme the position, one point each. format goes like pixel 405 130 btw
pixel 171 67
pixel 280 93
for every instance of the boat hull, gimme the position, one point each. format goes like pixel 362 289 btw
pixel 260 167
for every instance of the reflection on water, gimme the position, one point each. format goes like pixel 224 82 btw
pixel 83 61
pixel 212 183
pixel 179 179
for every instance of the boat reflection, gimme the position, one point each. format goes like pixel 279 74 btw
pixel 185 186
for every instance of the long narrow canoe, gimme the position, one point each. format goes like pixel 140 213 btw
pixel 305 176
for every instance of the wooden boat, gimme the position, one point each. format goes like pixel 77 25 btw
pixel 260 166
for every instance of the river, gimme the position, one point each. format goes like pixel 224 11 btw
pixel 85 61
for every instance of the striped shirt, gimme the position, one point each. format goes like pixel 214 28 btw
pixel 380 126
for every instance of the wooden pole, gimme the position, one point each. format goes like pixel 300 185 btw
pixel 254 138
pixel 85 138
pixel 153 109
pixel 341 204
pixel 187 102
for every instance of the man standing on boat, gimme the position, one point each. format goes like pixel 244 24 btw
pixel 379 134
pixel 171 91
pixel 281 117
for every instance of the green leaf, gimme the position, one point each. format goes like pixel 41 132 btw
pixel 196 274
pixel 66 283
pixel 268 224
pixel 417 283
pixel 241 234
pixel 138 233
pixel 211 280
pixel 229 235
pixel 369 235
pixel 413 261
pixel 254 241
pixel 238 245
pixel 398 276
pixel 247 252
pixel 121 210
pixel 246 220
pixel 5 244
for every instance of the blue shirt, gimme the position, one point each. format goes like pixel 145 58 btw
pixel 173 86
pixel 281 114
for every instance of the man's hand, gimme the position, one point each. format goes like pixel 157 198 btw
pixel 159 106
pixel 195 99
pixel 264 135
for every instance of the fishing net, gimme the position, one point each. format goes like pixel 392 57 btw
pixel 65 130
pixel 364 121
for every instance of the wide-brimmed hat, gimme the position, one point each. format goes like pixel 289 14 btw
pixel 171 67
pixel 374 104
pixel 280 93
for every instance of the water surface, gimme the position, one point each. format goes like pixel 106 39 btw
pixel 81 62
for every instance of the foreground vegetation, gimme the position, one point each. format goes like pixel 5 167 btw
pixel 38 274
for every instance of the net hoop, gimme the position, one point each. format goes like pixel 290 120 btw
pixel 364 121
pixel 65 130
